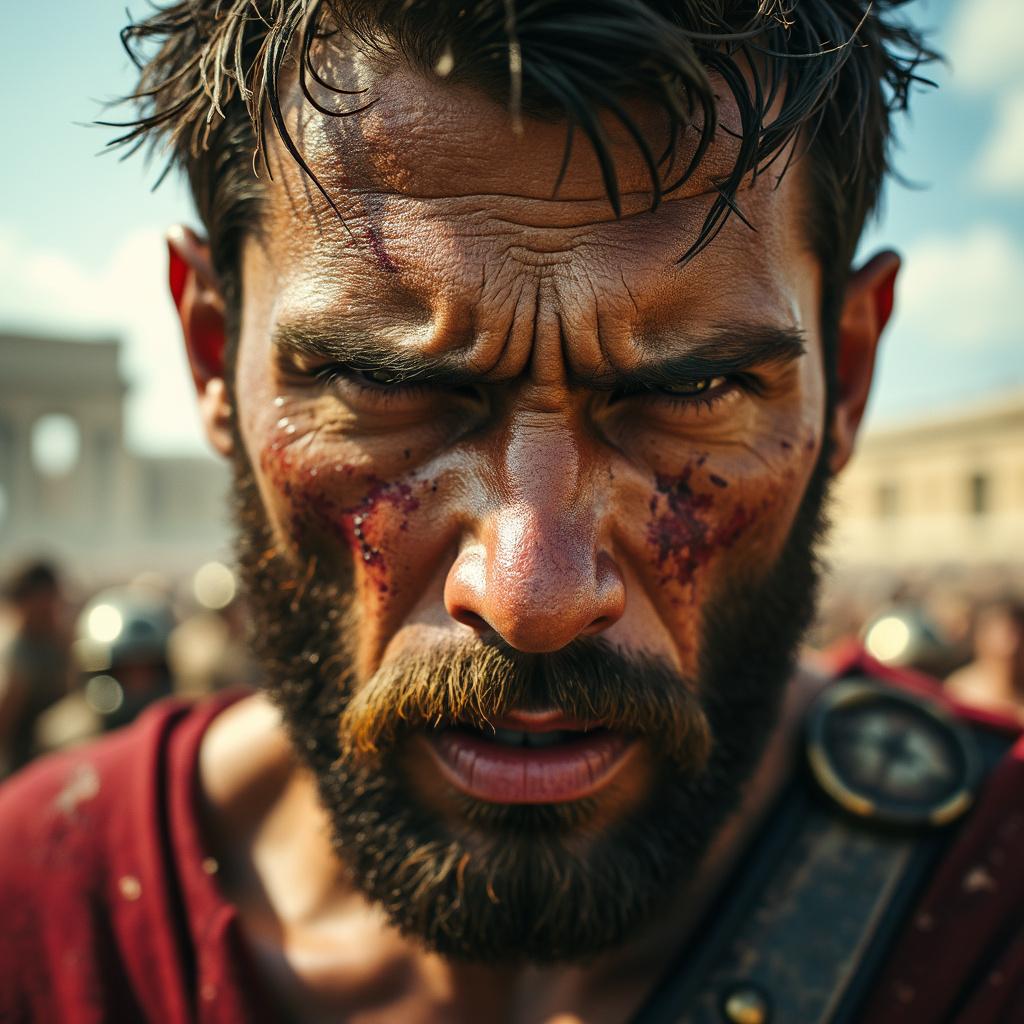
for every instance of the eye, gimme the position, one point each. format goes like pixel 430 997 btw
pixel 378 380
pixel 380 387
pixel 693 388
pixel 382 378
pixel 681 392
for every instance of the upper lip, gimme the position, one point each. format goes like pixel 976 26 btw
pixel 550 720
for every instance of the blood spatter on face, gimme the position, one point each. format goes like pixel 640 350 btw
pixel 319 505
pixel 359 524
pixel 683 529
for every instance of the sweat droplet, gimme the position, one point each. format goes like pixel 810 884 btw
pixel 290 429
pixel 282 423
pixel 279 401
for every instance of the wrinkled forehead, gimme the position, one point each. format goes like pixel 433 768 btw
pixel 445 199
pixel 422 135
pixel 428 135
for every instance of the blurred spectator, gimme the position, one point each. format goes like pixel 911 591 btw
pixel 121 650
pixel 994 679
pixel 208 652
pixel 34 658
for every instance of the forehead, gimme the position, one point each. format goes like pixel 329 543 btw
pixel 451 220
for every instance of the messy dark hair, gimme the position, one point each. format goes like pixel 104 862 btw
pixel 828 74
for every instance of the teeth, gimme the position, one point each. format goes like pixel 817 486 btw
pixel 517 738
pixel 510 737
pixel 544 739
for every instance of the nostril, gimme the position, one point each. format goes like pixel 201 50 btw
pixel 471 619
pixel 599 625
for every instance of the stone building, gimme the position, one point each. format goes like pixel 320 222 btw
pixel 942 491
pixel 69 487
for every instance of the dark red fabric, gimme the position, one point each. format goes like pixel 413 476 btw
pixel 109 907
pixel 960 955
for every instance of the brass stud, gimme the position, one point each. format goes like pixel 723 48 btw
pixel 745 1005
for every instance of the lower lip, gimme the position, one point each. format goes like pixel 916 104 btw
pixel 522 775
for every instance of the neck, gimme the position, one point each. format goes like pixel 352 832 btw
pixel 263 819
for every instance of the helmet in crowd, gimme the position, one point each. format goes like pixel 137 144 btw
pixel 121 649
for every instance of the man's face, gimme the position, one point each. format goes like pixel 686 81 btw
pixel 525 508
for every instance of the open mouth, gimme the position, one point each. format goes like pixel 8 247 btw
pixel 530 757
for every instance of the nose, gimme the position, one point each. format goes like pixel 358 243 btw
pixel 538 571
pixel 539 585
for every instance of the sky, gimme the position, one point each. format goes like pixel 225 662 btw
pixel 81 234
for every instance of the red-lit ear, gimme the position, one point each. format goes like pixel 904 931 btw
pixel 200 306
pixel 866 309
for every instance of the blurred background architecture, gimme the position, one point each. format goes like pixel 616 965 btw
pixel 944 490
pixel 71 488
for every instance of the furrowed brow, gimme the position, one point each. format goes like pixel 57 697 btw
pixel 356 350
pixel 726 350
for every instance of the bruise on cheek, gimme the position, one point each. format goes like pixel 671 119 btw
pixel 686 530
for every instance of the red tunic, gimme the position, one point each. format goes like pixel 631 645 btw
pixel 110 909
pixel 109 903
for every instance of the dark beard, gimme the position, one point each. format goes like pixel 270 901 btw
pixel 527 883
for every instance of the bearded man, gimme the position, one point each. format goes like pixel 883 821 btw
pixel 532 335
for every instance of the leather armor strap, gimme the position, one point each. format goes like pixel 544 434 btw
pixel 800 931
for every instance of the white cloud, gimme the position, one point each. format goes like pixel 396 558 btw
pixel 46 291
pixel 1000 164
pixel 963 291
pixel 985 43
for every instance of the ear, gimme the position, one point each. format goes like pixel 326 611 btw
pixel 866 308
pixel 200 306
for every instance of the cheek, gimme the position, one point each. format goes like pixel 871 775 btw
pixel 703 520
pixel 334 510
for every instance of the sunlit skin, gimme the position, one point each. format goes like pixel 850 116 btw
pixel 604 438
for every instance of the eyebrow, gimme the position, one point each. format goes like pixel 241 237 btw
pixel 725 349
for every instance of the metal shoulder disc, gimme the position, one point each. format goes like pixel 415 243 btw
pixel 890 757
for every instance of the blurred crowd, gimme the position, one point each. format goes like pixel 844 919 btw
pixel 74 665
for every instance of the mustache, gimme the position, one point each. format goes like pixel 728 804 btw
pixel 475 682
